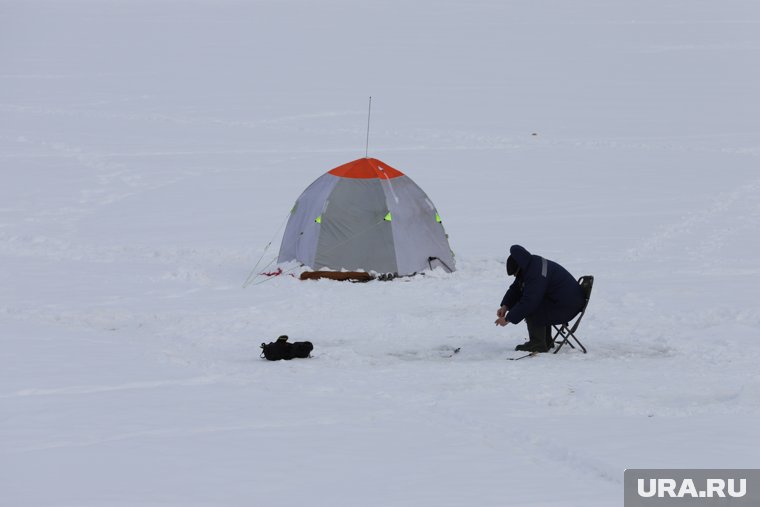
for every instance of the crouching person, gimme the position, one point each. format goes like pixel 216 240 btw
pixel 543 293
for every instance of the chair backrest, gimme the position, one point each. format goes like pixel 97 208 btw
pixel 587 283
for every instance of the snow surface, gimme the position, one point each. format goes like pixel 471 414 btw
pixel 151 149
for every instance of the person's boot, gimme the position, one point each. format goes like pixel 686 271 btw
pixel 537 347
pixel 536 337
pixel 532 347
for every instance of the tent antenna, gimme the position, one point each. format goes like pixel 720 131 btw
pixel 369 114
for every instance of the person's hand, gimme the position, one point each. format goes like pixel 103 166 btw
pixel 501 321
pixel 502 312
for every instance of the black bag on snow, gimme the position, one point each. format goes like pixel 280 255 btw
pixel 282 349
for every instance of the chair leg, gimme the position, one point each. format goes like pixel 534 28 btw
pixel 566 334
pixel 561 344
pixel 563 332
pixel 579 343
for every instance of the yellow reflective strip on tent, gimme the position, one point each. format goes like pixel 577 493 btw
pixel 387 217
pixel 318 219
pixel 438 218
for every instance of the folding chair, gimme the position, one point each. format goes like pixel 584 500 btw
pixel 565 331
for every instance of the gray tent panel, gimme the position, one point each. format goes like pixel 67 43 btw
pixel 416 233
pixel 299 242
pixel 354 234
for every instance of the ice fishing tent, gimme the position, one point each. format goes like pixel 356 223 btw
pixel 366 215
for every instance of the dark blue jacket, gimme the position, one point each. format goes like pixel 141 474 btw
pixel 543 291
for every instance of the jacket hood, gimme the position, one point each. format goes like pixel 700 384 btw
pixel 520 255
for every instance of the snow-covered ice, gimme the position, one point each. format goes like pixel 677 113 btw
pixel 149 151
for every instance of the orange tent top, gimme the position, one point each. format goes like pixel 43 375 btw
pixel 365 168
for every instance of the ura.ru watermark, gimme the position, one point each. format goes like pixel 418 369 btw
pixel 692 487
pixel 712 488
